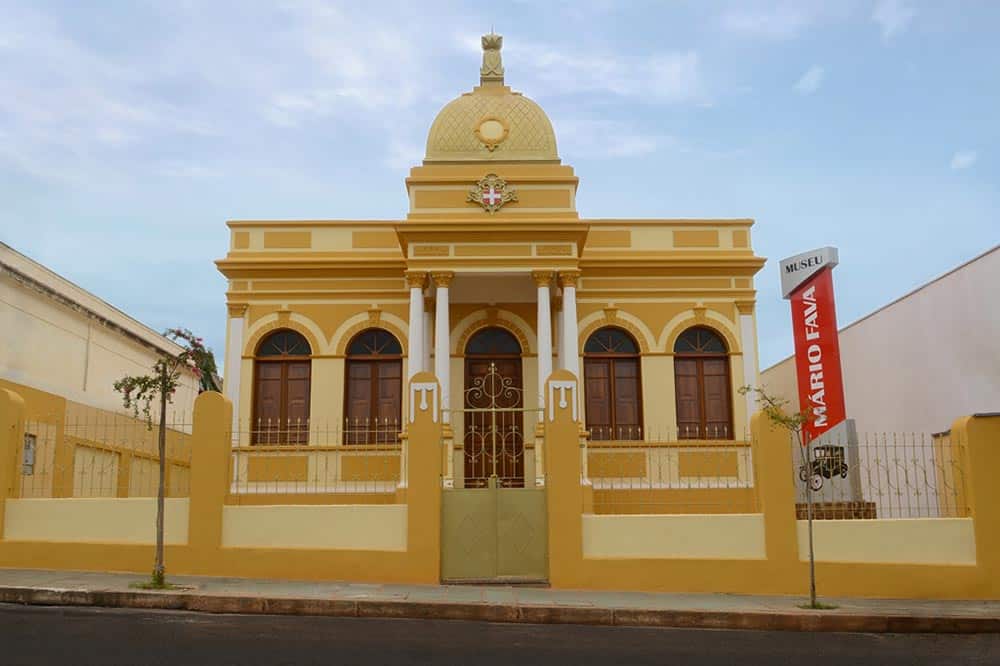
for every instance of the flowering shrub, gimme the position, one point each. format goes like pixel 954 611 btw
pixel 139 391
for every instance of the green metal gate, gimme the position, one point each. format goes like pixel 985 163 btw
pixel 494 528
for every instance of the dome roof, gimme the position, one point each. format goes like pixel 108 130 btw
pixel 491 123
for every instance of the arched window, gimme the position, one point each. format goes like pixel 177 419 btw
pixel 493 341
pixel 281 373
pixel 701 381
pixel 613 385
pixel 374 388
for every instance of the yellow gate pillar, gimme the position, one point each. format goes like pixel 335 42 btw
pixel 771 448
pixel 11 436
pixel 423 474
pixel 211 450
pixel 563 474
pixel 979 435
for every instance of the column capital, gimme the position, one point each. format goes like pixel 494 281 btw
pixel 442 278
pixel 237 309
pixel 542 278
pixel 416 279
pixel 569 278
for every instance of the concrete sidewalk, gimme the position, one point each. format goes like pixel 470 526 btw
pixel 495 603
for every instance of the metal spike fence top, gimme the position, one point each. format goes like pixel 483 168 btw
pixel 301 457
pixel 672 471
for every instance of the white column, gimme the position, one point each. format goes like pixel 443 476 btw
pixel 234 363
pixel 442 339
pixel 748 343
pixel 415 360
pixel 428 336
pixel 570 326
pixel 543 279
pixel 557 335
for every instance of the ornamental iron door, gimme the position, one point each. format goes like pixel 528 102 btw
pixel 495 528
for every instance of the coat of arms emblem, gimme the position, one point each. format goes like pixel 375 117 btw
pixel 492 193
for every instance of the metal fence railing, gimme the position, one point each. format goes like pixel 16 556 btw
pixel 361 460
pixel 279 432
pixel 882 475
pixel 598 433
pixel 670 476
pixel 94 453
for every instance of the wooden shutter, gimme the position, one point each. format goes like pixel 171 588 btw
pixel 716 398
pixel 687 387
pixel 627 417
pixel 267 404
pixel 297 402
pixel 597 387
pixel 388 403
pixel 358 410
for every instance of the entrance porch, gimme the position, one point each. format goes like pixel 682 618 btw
pixel 473 329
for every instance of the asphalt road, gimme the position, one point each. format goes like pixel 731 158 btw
pixel 71 636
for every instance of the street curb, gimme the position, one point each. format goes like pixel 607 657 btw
pixel 824 621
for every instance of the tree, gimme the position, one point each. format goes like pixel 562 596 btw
pixel 774 409
pixel 140 391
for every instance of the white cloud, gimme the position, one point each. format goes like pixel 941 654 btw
pixel 668 77
pixel 594 138
pixel 811 80
pixel 963 159
pixel 779 23
pixel 893 16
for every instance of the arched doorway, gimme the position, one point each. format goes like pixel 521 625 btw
pixel 613 385
pixel 494 397
pixel 701 382
pixel 373 388
pixel 281 387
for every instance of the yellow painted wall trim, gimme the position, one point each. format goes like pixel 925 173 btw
pixel 277 468
pixel 259 329
pixel 696 238
pixel 493 250
pixel 374 239
pixel 733 536
pixel 710 463
pixel 893 541
pixel 609 238
pixel 343 527
pixel 287 240
pixel 95 520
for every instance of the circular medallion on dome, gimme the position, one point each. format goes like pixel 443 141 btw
pixel 491 131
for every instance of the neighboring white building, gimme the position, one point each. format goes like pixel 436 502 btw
pixel 918 363
pixel 58 338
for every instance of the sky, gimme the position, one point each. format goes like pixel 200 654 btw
pixel 131 131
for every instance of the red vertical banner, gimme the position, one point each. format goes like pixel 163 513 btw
pixel 817 353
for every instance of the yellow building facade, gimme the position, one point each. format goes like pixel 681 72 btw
pixel 493 269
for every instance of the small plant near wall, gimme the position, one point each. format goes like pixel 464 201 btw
pixel 139 392
pixel 775 409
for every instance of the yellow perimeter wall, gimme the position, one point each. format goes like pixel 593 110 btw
pixel 82 520
pixel 757 553
pixel 855 558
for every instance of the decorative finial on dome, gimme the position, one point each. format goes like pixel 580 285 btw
pixel 492 70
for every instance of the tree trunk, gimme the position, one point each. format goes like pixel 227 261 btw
pixel 809 515
pixel 158 568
